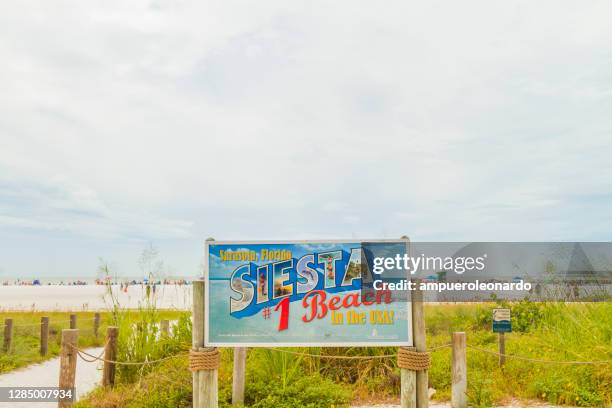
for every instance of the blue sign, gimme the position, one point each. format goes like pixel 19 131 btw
pixel 501 321
pixel 502 327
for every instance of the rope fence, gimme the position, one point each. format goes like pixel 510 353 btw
pixel 206 361
pixel 336 357
pixel 93 359
pixel 81 353
pixel 215 355
pixel 47 329
pixel 51 322
pixel 535 360
pixel 401 356
pixel 38 323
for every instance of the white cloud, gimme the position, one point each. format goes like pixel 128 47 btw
pixel 170 120
pixel 57 206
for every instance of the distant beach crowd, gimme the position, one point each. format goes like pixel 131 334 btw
pixel 124 284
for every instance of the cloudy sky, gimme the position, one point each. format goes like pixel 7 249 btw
pixel 165 122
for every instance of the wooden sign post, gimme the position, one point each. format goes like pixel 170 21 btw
pixel 204 381
pixel 502 324
pixel 408 390
pixel 414 384
pixel 238 375
pixel 197 335
pixel 420 343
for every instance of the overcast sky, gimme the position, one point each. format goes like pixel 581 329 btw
pixel 124 123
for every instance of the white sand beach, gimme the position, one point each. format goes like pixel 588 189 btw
pixel 89 297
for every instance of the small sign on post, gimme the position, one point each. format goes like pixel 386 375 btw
pixel 501 321
pixel 502 324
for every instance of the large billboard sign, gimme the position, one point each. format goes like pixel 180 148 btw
pixel 298 293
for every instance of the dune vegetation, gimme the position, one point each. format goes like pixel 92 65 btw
pixel 544 331
pixel 25 347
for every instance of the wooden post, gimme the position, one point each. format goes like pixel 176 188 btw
pixel 208 385
pixel 204 381
pixel 68 360
pixel 164 328
pixel 502 349
pixel 408 386
pixel 208 378
pixel 96 324
pixel 418 330
pixel 73 318
pixel 44 335
pixel 459 371
pixel 8 335
pixel 197 335
pixel 110 354
pixel 238 375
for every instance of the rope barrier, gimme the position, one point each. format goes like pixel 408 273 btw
pixel 38 324
pixel 439 347
pixel 25 325
pixel 534 360
pixel 99 356
pixel 82 352
pixel 93 360
pixel 334 357
pixel 210 359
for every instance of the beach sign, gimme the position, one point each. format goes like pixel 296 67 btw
pixel 501 321
pixel 300 293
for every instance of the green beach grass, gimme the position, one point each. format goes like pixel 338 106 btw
pixel 25 348
pixel 555 331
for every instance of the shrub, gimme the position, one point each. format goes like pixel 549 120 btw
pixel 306 391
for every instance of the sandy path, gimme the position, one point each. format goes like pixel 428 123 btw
pixel 46 375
